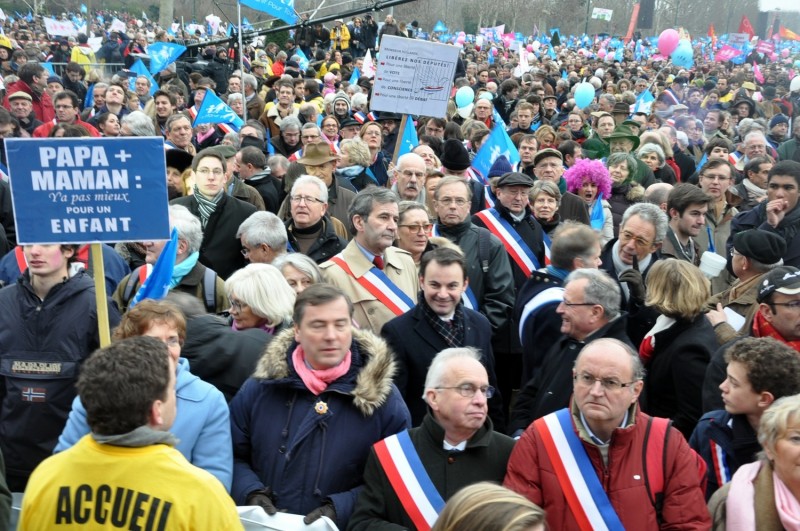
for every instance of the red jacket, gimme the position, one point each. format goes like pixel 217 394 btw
pixel 530 473
pixel 42 104
pixel 43 131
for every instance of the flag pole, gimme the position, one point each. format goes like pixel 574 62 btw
pixel 399 142
pixel 241 60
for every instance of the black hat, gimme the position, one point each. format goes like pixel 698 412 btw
pixel 548 152
pixel 387 116
pixel 454 155
pixel 621 108
pixel 292 64
pixel 549 97
pixel 514 178
pixel 179 159
pixel 783 279
pixel 760 245
pixel 347 122
pixel 680 80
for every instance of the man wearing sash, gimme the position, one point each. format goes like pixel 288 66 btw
pixel 381 280
pixel 409 476
pixel 587 466
pixel 439 321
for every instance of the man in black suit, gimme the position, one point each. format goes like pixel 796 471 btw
pixel 438 321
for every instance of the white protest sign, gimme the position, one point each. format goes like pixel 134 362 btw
pixel 59 28
pixel 96 43
pixel 118 25
pixel 738 39
pixel 602 14
pixel 413 77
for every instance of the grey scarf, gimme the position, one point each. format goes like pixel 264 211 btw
pixel 141 436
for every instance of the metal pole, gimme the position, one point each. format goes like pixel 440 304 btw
pixel 241 61
pixel 677 8
pixel 588 14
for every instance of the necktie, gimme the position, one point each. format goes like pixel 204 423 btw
pixel 378 261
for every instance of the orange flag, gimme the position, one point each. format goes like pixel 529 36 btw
pixel 712 35
pixel 746 27
pixel 788 34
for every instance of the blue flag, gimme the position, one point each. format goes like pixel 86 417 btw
pixel 141 70
pixel 282 9
pixel 355 76
pixel 551 52
pixel 644 102
pixel 49 68
pixel 597 216
pixel 303 59
pixel 246 26
pixel 215 111
pixel 88 102
pixel 408 138
pixel 497 144
pixel 163 54
pixel 270 147
pixel 156 285
pixel 702 162
pixel 439 27
pixel 83 8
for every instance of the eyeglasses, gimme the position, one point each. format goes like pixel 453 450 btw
pixel 565 302
pixel 609 384
pixel 626 236
pixel 305 198
pixel 172 342
pixel 469 390
pixel 217 172
pixel 238 305
pixel 447 201
pixel 418 227
pixel 792 305
pixel 518 193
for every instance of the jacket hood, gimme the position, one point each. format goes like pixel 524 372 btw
pixel 373 384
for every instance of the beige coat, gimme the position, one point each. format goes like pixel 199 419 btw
pixel 370 313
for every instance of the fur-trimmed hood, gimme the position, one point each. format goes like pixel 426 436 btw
pixel 373 384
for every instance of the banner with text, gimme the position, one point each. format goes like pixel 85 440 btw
pixel 602 14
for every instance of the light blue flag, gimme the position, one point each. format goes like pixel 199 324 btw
pixel 101 19
pixel 270 147
pixel 702 162
pixel 408 138
pixel 282 9
pixel 246 26
pixel 644 102
pixel 355 76
pixel 618 55
pixel 88 101
pixel 163 54
pixel 141 70
pixel 597 216
pixel 215 111
pixel 83 8
pixel 49 68
pixel 228 33
pixel 497 144
pixel 551 52
pixel 156 285
pixel 439 27
pixel 303 59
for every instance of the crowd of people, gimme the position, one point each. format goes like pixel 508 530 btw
pixel 608 328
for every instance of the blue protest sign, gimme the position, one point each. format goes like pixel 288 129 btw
pixel 88 190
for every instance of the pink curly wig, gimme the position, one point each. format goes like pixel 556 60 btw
pixel 589 170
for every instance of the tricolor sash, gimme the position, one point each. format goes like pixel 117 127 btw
pixel 585 496
pixel 516 247
pixel 378 284
pixel 409 479
pixel 547 296
pixel 721 469
pixel 547 244
pixel 489 197
pixel 468 297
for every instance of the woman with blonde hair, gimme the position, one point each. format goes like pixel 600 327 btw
pixel 260 297
pixel 677 349
pixel 488 507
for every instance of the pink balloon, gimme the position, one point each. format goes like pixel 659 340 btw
pixel 785 53
pixel 601 53
pixel 668 41
pixel 773 56
pixel 529 47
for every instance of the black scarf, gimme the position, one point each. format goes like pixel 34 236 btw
pixel 453 331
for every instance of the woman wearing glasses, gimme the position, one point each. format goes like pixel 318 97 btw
pixel 260 297
pixel 372 134
pixel 676 351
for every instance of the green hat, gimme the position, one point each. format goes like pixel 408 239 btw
pixel 623 132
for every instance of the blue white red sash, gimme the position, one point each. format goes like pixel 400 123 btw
pixel 409 479
pixel 585 496
pixel 547 243
pixel 489 197
pixel 515 246
pixel 721 469
pixel 468 297
pixel 378 284
pixel 542 298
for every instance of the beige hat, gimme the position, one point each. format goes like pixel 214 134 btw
pixel 20 95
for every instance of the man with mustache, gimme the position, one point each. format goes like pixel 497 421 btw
pixel 410 174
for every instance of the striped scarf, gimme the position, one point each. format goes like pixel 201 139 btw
pixel 205 205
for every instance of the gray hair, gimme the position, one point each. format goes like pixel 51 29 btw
pixel 364 203
pixel 775 420
pixel 358 101
pixel 650 213
pixel 261 132
pixel 302 263
pixel 357 151
pixel 637 369
pixel 310 179
pixel 145 78
pixel 404 159
pixel 278 161
pixel 644 149
pixel 236 96
pixel 309 127
pixel 189 228
pixel 290 123
pixel 264 228
pixel 572 240
pixel 601 289
pixel 546 187
pixel 618 158
pixel 139 123
pixel 249 80
pixel 265 290
pixel 233 138
pixel 438 367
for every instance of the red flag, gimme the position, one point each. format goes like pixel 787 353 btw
pixel 746 27
pixel 788 34
pixel 712 35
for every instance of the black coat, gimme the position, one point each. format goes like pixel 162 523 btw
pixel 269 187
pixel 415 343
pixel 551 388
pixel 675 373
pixel 221 250
pixel 327 245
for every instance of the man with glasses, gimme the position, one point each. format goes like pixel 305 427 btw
pixel 589 309
pixel 320 161
pixel 380 279
pixel 456 445
pixel 627 259
pixel 639 476
pixel 67 112
pixel 438 321
pixel 410 174
pixel 220 214
pixel 310 230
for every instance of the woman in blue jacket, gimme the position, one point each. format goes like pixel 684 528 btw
pixel 202 424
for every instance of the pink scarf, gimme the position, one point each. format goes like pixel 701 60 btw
pixel 787 505
pixel 317 380
pixel 740 506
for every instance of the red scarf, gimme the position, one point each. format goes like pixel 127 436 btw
pixel 762 328
pixel 318 380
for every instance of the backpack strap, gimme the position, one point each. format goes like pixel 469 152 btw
pixel 210 290
pixel 654 459
pixel 136 278
pixel 484 239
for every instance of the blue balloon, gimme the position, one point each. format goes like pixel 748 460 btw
pixel 683 56
pixel 464 96
pixel 584 94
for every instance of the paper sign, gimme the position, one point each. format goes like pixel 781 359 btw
pixel 255 519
